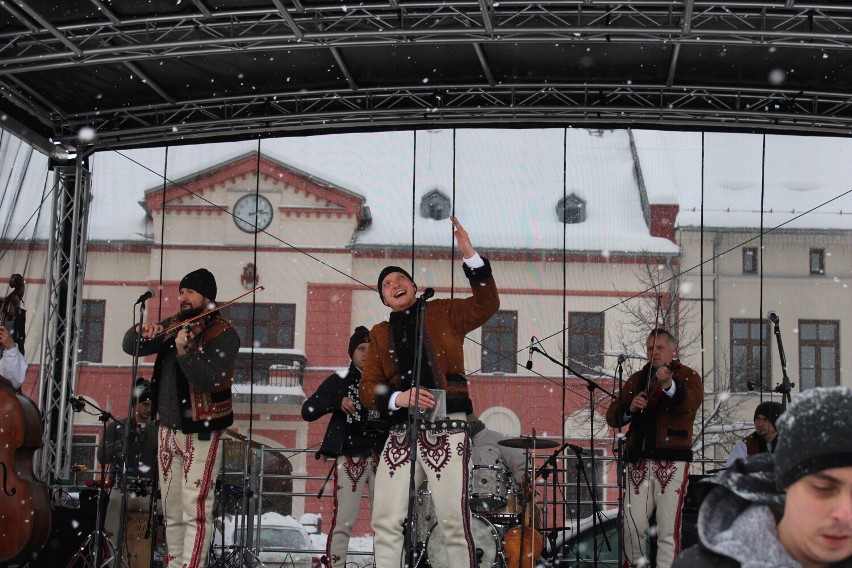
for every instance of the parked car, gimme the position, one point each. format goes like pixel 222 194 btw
pixel 581 543
pixel 584 540
pixel 282 542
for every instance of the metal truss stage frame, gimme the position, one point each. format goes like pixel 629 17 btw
pixel 153 73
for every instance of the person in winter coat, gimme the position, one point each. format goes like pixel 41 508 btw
pixel 764 437
pixel 790 509
pixel 658 403
pixel 354 437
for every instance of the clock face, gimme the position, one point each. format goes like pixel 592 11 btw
pixel 252 213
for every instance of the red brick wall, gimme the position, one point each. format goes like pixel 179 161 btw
pixel 327 325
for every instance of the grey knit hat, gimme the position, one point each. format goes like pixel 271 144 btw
pixel 813 434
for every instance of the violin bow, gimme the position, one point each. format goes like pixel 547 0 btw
pixel 218 307
pixel 655 332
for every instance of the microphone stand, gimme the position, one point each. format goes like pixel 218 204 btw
pixel 786 386
pixel 125 442
pixel 591 386
pixel 620 465
pixel 104 416
pixel 410 542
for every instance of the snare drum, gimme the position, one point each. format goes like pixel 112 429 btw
pixel 488 545
pixel 489 487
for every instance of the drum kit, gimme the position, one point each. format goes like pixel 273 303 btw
pixel 498 505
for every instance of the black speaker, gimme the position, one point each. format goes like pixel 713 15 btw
pixel 70 529
pixel 695 494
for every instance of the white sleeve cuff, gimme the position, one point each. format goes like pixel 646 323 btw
pixel 670 392
pixel 392 402
pixel 475 261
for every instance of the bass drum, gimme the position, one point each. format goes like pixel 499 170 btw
pixel 489 546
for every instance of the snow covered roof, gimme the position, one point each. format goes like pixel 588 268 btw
pixel 505 183
pixel 802 173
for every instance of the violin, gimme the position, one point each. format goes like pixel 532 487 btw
pixel 197 322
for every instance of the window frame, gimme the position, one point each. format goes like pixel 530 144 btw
pixel 820 253
pixel 500 361
pixel 273 326
pixel 817 344
pixel 590 361
pixel 754 260
pixel 750 343
pixel 91 350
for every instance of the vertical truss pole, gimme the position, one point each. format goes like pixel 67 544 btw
pixel 63 313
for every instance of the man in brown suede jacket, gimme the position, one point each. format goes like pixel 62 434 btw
pixel 443 455
pixel 659 403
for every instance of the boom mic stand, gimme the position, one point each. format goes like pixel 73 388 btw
pixel 97 538
pixel 619 466
pixel 410 543
pixel 786 386
pixel 591 386
pixel 125 442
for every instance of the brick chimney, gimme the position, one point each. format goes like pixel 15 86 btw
pixel 663 217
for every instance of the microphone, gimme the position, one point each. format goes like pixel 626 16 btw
pixel 773 317
pixel 148 294
pixel 529 359
pixel 749 385
pixel 577 449
pixel 427 293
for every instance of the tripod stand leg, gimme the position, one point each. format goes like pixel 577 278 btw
pixel 85 557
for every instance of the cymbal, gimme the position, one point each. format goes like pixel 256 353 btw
pixel 528 442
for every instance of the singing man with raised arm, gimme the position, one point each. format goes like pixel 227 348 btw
pixel 443 456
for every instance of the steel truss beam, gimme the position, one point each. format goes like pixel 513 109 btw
pixel 105 38
pixel 383 108
pixel 63 313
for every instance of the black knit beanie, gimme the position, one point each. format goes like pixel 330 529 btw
pixel 771 410
pixel 142 391
pixel 202 281
pixel 813 434
pixel 361 335
pixel 390 270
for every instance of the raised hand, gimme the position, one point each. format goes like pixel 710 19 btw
pixel 462 238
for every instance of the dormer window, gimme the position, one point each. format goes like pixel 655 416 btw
pixel 435 205
pixel 571 209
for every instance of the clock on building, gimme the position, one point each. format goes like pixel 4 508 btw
pixel 252 213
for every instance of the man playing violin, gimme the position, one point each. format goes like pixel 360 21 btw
pixel 659 403
pixel 191 394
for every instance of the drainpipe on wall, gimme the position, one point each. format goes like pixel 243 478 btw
pixel 716 379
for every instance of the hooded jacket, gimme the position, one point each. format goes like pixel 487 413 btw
pixel 738 521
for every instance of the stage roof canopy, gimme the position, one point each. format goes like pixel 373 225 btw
pixel 154 72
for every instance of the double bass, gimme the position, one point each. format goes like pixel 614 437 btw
pixel 24 502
